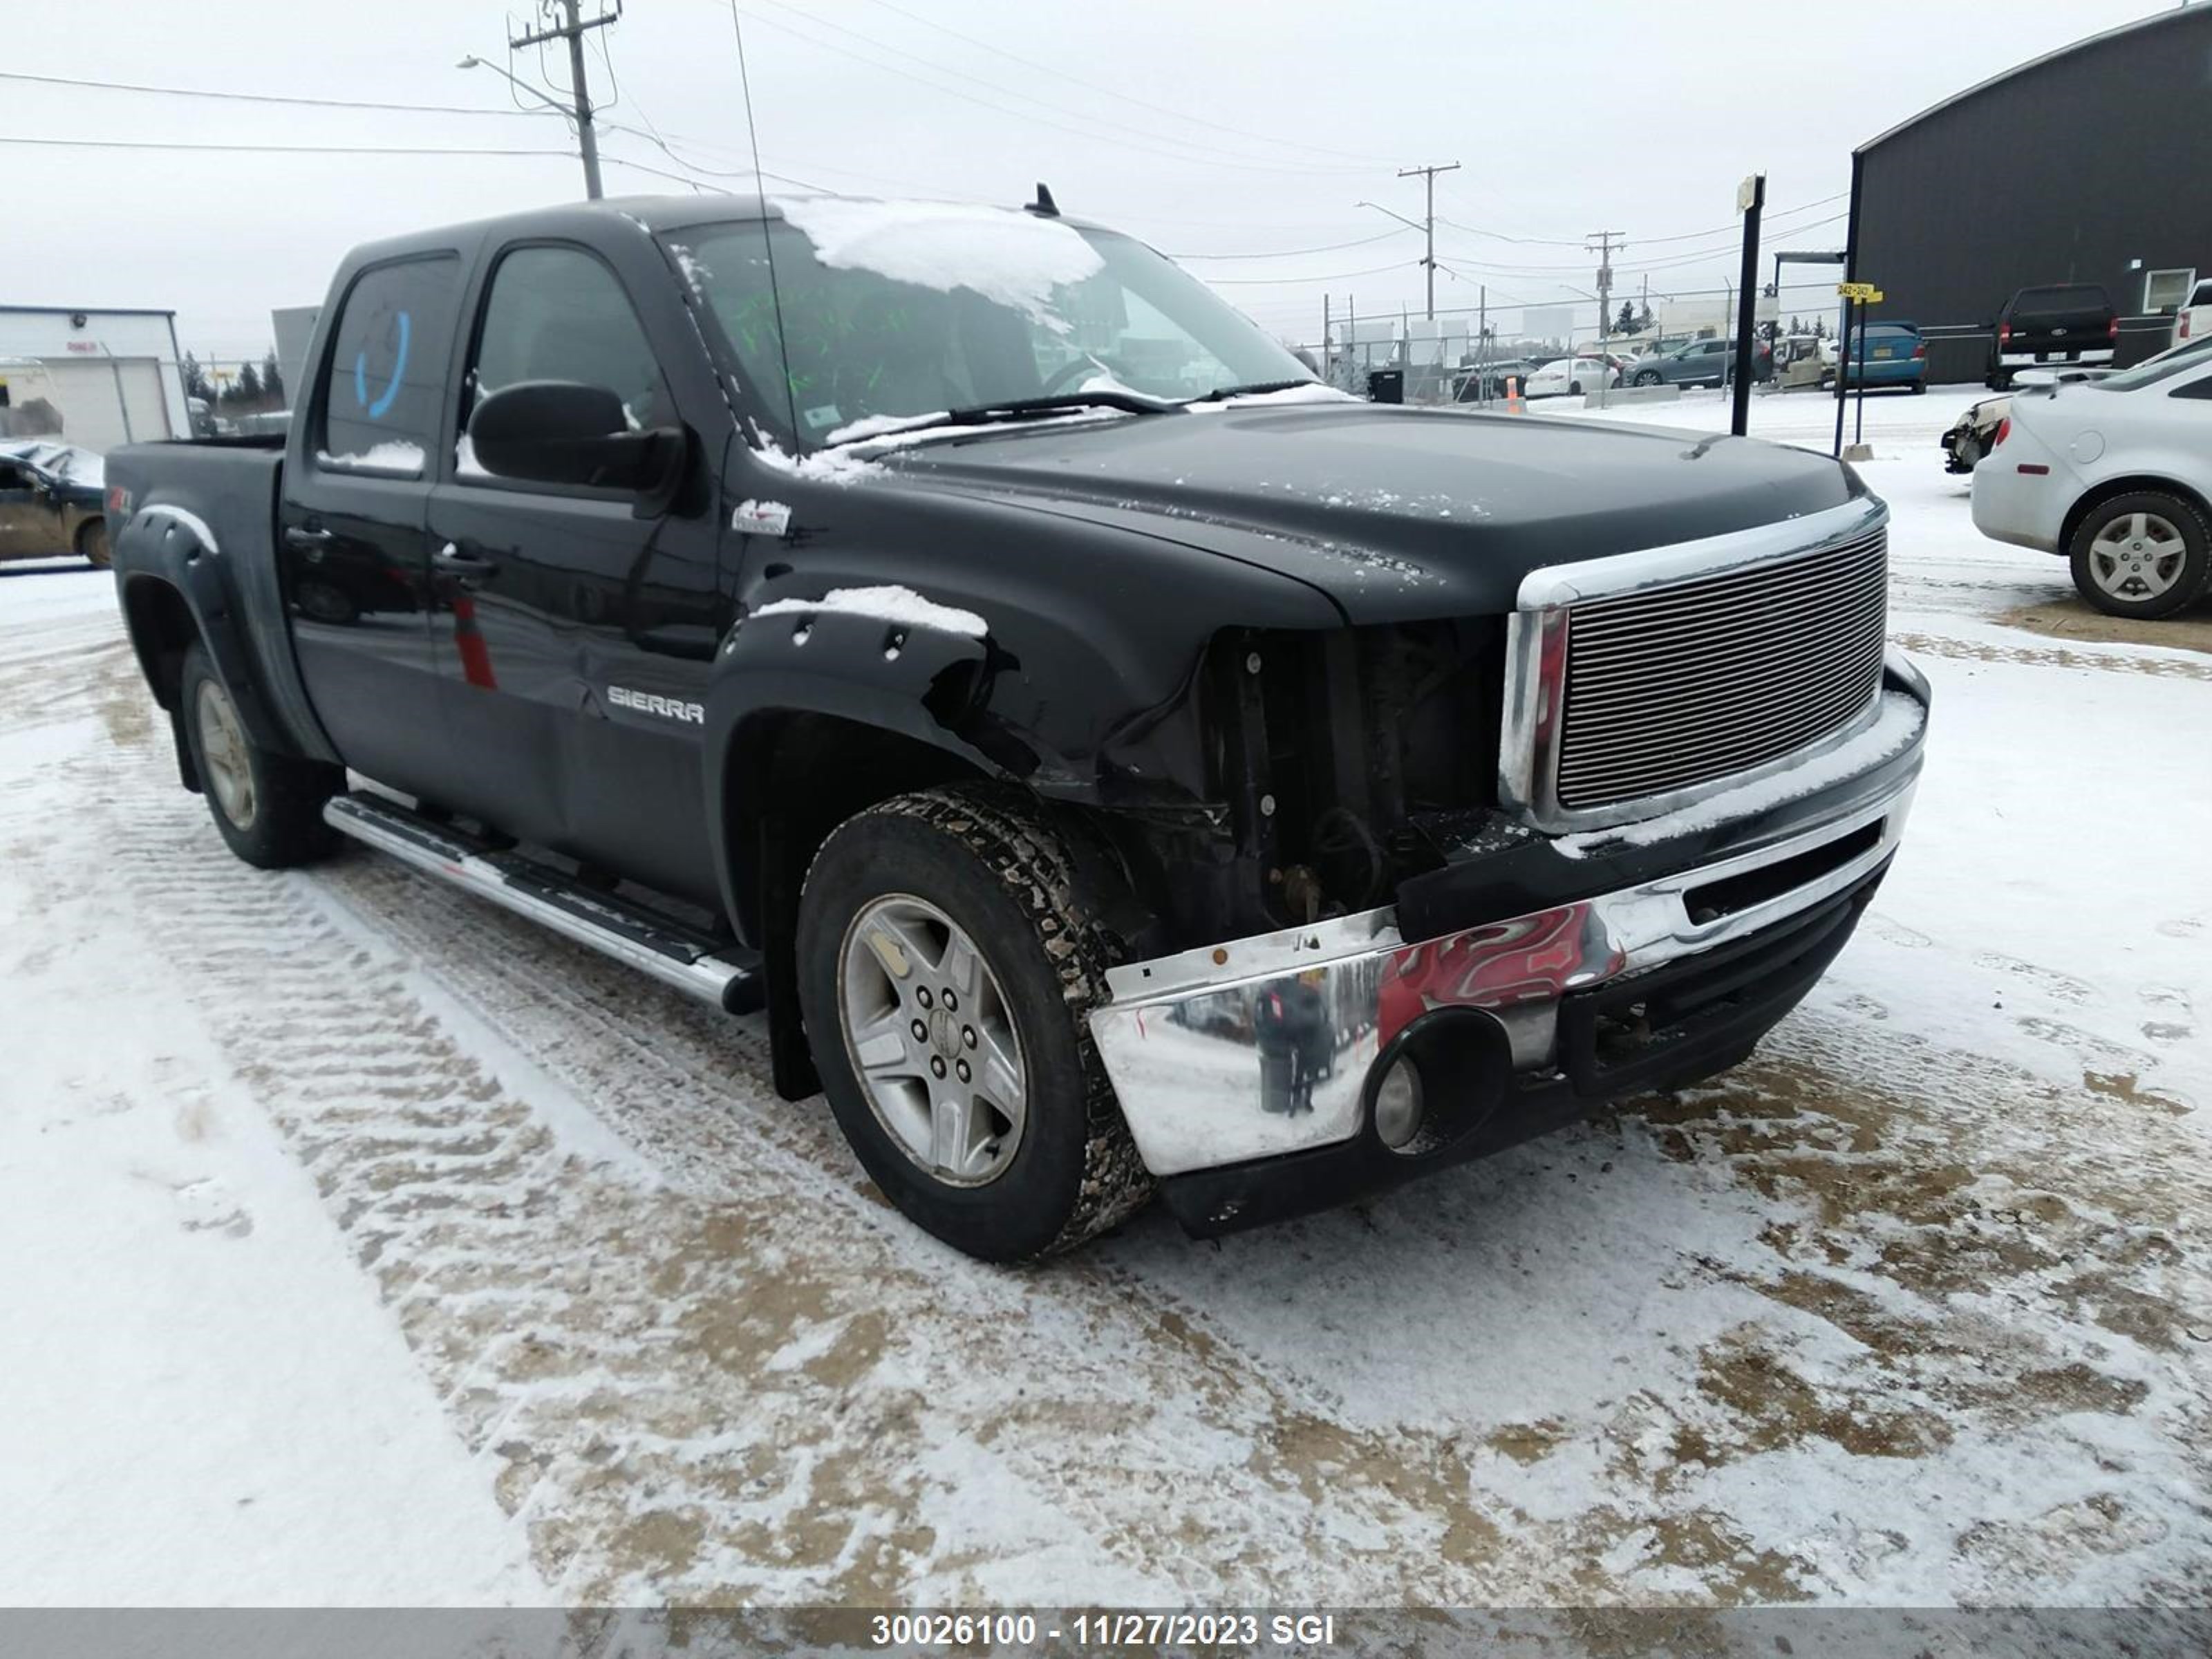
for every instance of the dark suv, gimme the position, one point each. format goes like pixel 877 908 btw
pixel 2070 322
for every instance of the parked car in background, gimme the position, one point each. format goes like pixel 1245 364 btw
pixel 1974 434
pixel 1803 360
pixel 2194 320
pixel 1571 377
pixel 2067 322
pixel 1699 362
pixel 1485 382
pixel 2115 473
pixel 1887 355
pixel 51 498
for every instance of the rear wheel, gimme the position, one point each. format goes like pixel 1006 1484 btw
pixel 2145 554
pixel 948 958
pixel 1647 377
pixel 92 542
pixel 269 807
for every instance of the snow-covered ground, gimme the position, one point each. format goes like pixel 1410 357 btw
pixel 366 1245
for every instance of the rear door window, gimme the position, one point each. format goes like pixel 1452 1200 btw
pixel 378 409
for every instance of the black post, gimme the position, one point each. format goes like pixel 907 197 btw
pixel 1858 421
pixel 1746 308
pixel 1850 275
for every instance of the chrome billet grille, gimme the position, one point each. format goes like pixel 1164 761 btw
pixel 1677 686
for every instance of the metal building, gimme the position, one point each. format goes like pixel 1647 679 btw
pixel 2082 166
pixel 96 379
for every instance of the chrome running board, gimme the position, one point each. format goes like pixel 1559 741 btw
pixel 728 975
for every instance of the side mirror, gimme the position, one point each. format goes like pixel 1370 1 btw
pixel 560 432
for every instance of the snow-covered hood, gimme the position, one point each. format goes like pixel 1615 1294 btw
pixel 1396 513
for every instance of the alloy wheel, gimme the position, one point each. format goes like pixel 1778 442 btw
pixel 223 752
pixel 932 1040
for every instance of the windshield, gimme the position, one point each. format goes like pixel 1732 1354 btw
pixel 904 309
pixel 2175 359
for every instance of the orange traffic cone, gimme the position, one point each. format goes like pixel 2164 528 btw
pixel 1515 404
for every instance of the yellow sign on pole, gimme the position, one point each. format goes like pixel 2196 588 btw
pixel 1865 292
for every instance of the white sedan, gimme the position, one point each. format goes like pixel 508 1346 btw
pixel 2115 473
pixel 1571 376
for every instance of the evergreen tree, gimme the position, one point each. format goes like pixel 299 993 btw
pixel 1626 323
pixel 272 380
pixel 196 380
pixel 249 384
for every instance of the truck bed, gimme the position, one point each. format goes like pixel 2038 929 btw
pixel 172 505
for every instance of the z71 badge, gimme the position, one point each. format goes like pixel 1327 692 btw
pixel 646 702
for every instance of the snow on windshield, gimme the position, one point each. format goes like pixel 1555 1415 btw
pixel 1013 258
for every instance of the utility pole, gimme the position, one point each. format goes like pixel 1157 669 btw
pixel 1601 242
pixel 1429 222
pixel 572 31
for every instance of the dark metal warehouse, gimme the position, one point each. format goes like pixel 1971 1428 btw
pixel 2086 164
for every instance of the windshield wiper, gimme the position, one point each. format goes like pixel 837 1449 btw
pixel 1024 409
pixel 1251 389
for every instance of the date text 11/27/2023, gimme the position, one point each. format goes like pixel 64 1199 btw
pixel 1106 1630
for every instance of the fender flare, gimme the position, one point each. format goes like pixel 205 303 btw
pixel 175 548
pixel 929 687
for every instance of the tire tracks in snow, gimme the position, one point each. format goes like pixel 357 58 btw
pixel 753 1382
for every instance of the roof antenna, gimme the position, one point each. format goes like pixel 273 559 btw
pixel 1044 207
pixel 768 238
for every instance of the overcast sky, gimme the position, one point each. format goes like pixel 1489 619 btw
pixel 1568 117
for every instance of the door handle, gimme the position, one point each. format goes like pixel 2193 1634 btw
pixel 301 536
pixel 450 557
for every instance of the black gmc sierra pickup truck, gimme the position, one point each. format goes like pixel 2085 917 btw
pixel 1113 760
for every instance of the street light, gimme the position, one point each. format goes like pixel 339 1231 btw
pixel 588 142
pixel 1411 224
pixel 474 62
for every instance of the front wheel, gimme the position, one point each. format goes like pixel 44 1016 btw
pixel 268 806
pixel 2145 554
pixel 1575 389
pixel 949 955
pixel 1647 377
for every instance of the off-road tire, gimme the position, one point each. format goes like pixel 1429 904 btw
pixel 285 826
pixel 91 543
pixel 990 859
pixel 2195 576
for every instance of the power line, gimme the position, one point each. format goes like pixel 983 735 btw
pixel 1157 109
pixel 1288 252
pixel 1682 236
pixel 273 149
pixel 1189 156
pixel 1333 277
pixel 261 97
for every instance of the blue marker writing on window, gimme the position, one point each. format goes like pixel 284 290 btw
pixel 377 410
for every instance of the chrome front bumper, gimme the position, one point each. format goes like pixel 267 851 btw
pixel 1180 1038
